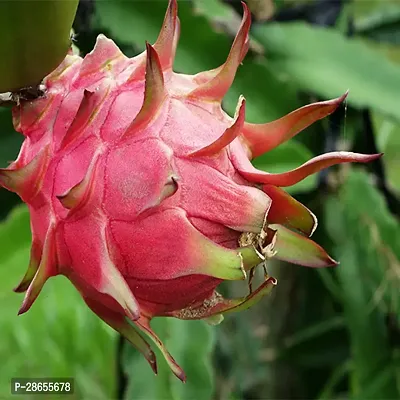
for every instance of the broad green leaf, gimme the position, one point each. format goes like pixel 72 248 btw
pixel 366 238
pixel 244 348
pixel 14 234
pixel 191 344
pixel 311 332
pixel 215 9
pixel 381 23
pixel 325 62
pixel 388 140
pixel 365 9
pixel 327 393
pixel 59 336
pixel 380 233
pixel 142 383
pixel 267 96
pixel 384 27
pixel 134 22
pixel 10 141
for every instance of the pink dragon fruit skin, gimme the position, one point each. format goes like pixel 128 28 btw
pixel 142 193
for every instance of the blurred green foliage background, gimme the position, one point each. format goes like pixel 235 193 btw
pixel 322 334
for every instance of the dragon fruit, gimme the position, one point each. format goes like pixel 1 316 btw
pixel 141 190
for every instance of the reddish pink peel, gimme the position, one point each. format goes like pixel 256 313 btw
pixel 36 255
pixel 229 135
pixel 154 95
pixel 105 60
pixel 188 250
pixel 221 79
pixel 167 40
pixel 88 108
pixel 63 76
pixel 80 194
pixel 93 264
pixel 46 269
pixel 239 207
pixel 26 180
pixel 31 120
pixel 165 45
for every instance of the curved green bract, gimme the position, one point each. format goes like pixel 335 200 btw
pixel 35 37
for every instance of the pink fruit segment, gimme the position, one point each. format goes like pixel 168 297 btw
pixel 142 193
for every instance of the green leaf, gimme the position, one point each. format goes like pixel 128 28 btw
pixel 50 340
pixel 325 62
pixel 285 157
pixel 10 141
pixel 311 332
pixel 327 393
pixel 215 9
pixel 366 237
pixel 134 22
pixel 10 144
pixel 267 96
pixel 379 231
pixel 191 343
pixel 382 24
pixel 388 140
